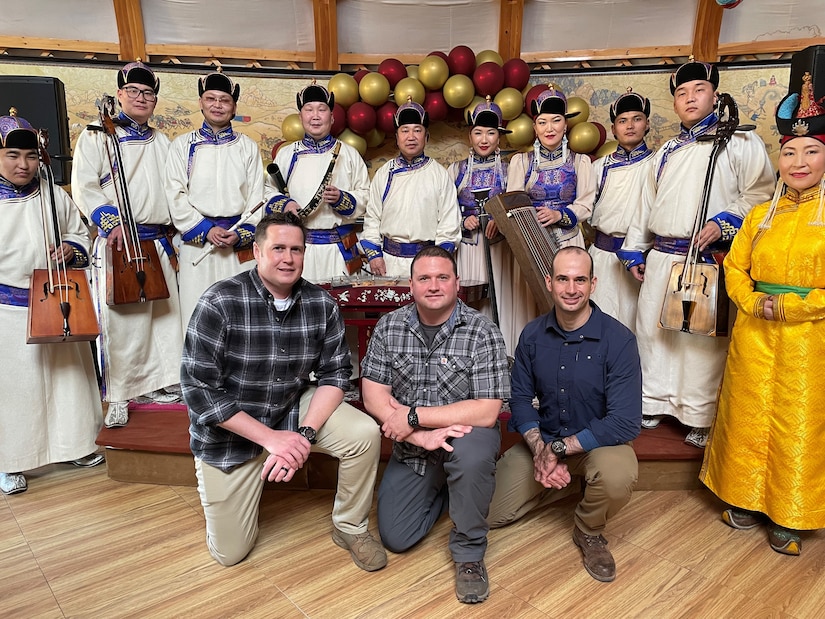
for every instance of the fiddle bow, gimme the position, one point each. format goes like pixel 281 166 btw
pixel 60 303
pixel 696 301
pixel 134 273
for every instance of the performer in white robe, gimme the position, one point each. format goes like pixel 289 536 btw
pixel 331 234
pixel 681 371
pixel 477 179
pixel 51 405
pixel 562 187
pixel 140 343
pixel 214 178
pixel 412 201
pixel 619 180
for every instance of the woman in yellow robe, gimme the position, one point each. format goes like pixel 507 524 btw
pixel 764 456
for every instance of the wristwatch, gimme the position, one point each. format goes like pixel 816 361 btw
pixel 412 418
pixel 308 433
pixel 559 448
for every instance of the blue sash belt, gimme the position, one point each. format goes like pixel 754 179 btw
pixel 605 242
pixel 18 297
pixel 328 237
pixel 404 250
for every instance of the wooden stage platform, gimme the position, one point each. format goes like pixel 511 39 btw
pixel 154 448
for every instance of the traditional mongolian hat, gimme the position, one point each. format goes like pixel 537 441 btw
pixel 802 112
pixel 221 82
pixel 411 113
pixel 314 92
pixel 551 101
pixel 16 132
pixel 629 102
pixel 693 70
pixel 138 73
pixel 487 114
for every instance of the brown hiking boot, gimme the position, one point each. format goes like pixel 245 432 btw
pixel 366 552
pixel 598 561
pixel 471 584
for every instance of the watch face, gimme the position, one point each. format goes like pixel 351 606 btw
pixel 558 447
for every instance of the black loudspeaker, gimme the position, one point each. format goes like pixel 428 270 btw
pixel 41 101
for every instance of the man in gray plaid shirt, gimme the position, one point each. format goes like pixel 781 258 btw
pixel 435 375
pixel 251 345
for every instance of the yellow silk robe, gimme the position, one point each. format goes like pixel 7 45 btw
pixel 765 452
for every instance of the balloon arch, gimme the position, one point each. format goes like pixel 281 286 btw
pixel 448 86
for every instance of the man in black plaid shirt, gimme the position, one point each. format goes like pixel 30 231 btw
pixel 435 375
pixel 251 345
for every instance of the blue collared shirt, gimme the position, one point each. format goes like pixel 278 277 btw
pixel 588 382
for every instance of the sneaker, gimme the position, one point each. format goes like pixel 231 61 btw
pixel 650 422
pixel 13 483
pixel 93 459
pixel 741 519
pixel 698 437
pixel 598 561
pixel 367 553
pixel 471 584
pixel 784 541
pixel 117 416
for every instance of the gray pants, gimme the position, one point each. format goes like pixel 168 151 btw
pixel 463 482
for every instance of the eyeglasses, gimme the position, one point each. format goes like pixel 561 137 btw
pixel 210 100
pixel 133 93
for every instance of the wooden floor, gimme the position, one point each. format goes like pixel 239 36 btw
pixel 79 544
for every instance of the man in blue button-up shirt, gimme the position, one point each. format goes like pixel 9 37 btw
pixel 583 367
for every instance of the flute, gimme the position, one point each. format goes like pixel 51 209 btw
pixel 232 229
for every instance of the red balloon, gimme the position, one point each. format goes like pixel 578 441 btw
pixel 461 60
pixel 516 73
pixel 534 92
pixel 385 117
pixel 361 117
pixel 394 70
pixel 436 106
pixel 277 147
pixel 359 75
pixel 488 79
pixel 339 120
pixel 602 136
pixel 442 55
pixel 456 115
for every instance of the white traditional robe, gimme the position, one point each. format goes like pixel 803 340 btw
pixel 217 176
pixel 620 177
pixel 140 343
pixel 522 306
pixel 472 259
pixel 303 168
pixel 411 205
pixel 50 409
pixel 681 372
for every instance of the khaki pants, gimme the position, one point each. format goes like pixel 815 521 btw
pixel 231 500
pixel 609 475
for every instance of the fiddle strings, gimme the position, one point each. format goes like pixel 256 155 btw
pixel 540 241
pixel 58 277
pixel 124 208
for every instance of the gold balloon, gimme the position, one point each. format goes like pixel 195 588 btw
pixel 523 134
pixel 607 148
pixel 489 55
pixel 345 88
pixel 583 138
pixel 347 136
pixel 409 87
pixel 292 129
pixel 375 138
pixel 511 103
pixel 459 91
pixel 412 71
pixel 470 108
pixel 374 89
pixel 577 104
pixel 433 72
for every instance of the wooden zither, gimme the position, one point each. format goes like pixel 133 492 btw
pixel 532 244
